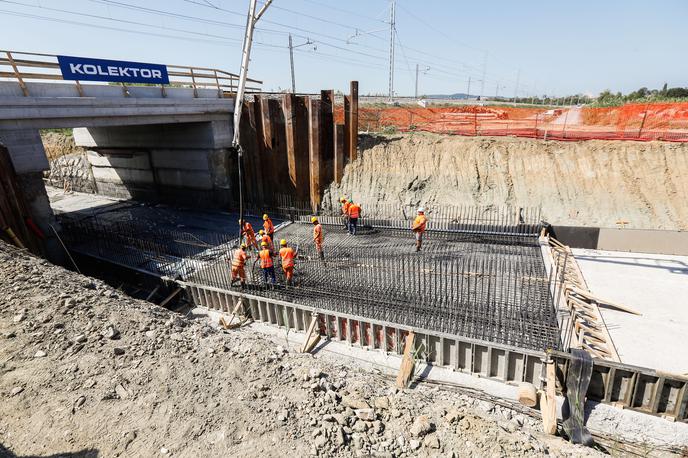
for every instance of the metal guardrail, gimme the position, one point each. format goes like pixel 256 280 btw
pixel 26 67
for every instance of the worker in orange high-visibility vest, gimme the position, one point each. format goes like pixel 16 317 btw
pixel 268 226
pixel 318 237
pixel 238 265
pixel 345 212
pixel 354 213
pixel 418 227
pixel 248 233
pixel 266 263
pixel 263 237
pixel 287 254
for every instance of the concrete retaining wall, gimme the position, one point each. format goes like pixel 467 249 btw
pixel 615 239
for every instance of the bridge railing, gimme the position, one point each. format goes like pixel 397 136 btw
pixel 26 67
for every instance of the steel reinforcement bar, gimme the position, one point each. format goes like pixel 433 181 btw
pixel 636 388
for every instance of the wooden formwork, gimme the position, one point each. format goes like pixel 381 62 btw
pixel 640 389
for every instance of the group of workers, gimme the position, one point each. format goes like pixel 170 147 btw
pixel 351 212
pixel 266 252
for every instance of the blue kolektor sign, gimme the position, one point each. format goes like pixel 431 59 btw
pixel 116 71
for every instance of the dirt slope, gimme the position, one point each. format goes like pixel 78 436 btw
pixel 85 370
pixel 591 183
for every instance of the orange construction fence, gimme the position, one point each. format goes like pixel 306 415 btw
pixel 642 122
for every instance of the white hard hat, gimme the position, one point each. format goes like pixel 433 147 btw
pixel 421 210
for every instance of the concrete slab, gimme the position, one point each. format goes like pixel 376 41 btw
pixel 654 285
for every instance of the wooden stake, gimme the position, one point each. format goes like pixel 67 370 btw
pixel 170 297
pixel 407 363
pixel 339 153
pixel 548 403
pixel 311 339
pixel 353 122
pixel 315 154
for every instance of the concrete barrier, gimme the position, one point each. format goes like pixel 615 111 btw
pixel 616 239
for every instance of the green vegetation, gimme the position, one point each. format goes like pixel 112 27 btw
pixel 67 132
pixel 642 95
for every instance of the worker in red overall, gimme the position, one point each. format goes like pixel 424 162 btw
pixel 248 233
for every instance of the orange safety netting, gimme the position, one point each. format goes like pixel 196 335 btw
pixel 659 121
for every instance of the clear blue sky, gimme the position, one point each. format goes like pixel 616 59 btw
pixel 552 47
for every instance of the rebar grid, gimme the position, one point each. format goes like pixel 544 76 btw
pixel 488 286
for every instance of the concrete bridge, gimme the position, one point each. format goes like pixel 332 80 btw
pixel 142 140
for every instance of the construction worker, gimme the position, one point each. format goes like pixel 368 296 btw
pixel 354 212
pixel 345 212
pixel 418 227
pixel 287 254
pixel 238 264
pixel 268 226
pixel 247 231
pixel 266 263
pixel 318 237
pixel 265 238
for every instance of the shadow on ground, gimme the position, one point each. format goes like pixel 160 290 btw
pixel 85 453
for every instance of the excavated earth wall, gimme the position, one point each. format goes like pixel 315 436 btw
pixel 589 183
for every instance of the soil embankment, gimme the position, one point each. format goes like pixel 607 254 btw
pixel 589 183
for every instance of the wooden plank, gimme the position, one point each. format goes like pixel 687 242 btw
pixel 280 166
pixel 315 159
pixel 311 338
pixel 347 127
pixel 338 153
pixel 253 175
pixel 407 363
pixel 353 122
pixel 549 406
pixel 170 297
pixel 288 101
pixel 603 302
pixel 327 135
pixel 302 154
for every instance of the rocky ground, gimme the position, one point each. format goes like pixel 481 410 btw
pixel 87 371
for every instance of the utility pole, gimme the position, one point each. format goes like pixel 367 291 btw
pixel 291 60
pixel 251 19
pixel 482 82
pixel 518 77
pixel 468 91
pixel 392 19
pixel 424 72
pixel 416 91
